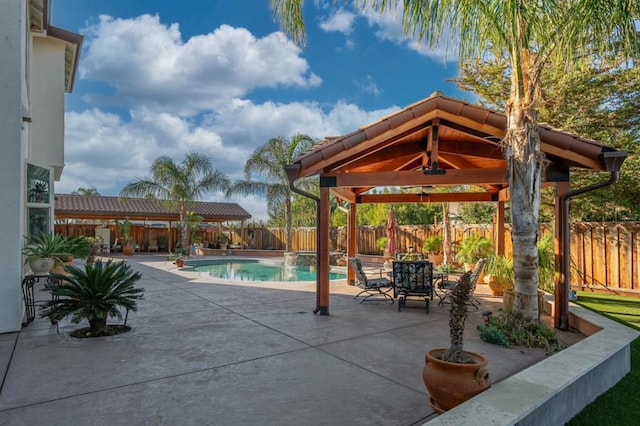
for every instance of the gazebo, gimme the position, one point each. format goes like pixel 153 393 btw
pixel 442 142
pixel 98 207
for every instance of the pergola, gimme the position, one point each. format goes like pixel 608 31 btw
pixel 96 207
pixel 442 142
pixel 100 207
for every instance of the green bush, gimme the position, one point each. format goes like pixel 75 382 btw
pixel 93 292
pixel 519 332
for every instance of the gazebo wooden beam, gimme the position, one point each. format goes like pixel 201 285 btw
pixel 416 178
pixel 452 197
pixel 344 194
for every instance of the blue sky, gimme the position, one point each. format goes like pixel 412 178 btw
pixel 166 77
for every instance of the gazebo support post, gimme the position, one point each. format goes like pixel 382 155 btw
pixel 352 242
pixel 560 296
pixel 323 251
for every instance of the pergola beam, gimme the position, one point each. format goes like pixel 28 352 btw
pixel 452 197
pixel 416 178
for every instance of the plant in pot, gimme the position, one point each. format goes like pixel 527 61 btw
pixel 454 375
pixel 95 293
pixel 433 246
pixel 223 240
pixel 473 248
pixel 381 243
pixel 498 273
pixel 125 233
pixel 44 251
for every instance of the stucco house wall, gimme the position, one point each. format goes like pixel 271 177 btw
pixel 37 66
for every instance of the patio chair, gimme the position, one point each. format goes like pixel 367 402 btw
pixel 446 286
pixel 373 289
pixel 153 246
pixel 117 246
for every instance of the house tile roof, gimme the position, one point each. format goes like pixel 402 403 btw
pixel 105 207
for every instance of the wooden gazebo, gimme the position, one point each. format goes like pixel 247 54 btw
pixel 97 207
pixel 441 142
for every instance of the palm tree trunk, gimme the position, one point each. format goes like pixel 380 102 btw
pixel 525 162
pixel 185 229
pixel 98 326
pixel 446 234
pixel 287 218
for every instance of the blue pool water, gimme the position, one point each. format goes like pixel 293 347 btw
pixel 256 270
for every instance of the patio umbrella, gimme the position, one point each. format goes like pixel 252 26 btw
pixel 392 232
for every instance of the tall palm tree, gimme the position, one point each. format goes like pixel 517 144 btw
pixel 179 184
pixel 85 191
pixel 267 163
pixel 532 35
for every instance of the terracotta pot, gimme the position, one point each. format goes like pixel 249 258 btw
pixel 436 259
pixel 127 250
pixel 450 384
pixel 497 285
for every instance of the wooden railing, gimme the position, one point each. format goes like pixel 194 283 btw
pixel 604 256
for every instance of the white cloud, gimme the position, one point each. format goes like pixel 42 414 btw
pixel 388 26
pixel 147 63
pixel 340 21
pixel 105 152
pixel 368 85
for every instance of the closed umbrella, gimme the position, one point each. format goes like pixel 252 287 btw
pixel 392 226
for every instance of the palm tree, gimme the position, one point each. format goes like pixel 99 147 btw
pixel 179 184
pixel 531 35
pixel 267 162
pixel 85 191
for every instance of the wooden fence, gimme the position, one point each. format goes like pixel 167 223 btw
pixel 603 255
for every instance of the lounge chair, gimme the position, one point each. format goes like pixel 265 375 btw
pixel 153 246
pixel 373 289
pixel 446 286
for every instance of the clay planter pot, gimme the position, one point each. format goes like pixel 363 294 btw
pixel 436 259
pixel 127 249
pixel 497 285
pixel 450 384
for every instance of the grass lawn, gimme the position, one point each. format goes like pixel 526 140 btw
pixel 618 406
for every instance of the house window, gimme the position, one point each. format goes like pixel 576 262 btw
pixel 38 184
pixel 38 198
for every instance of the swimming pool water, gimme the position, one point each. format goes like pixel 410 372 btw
pixel 255 270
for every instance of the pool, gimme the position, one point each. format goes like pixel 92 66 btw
pixel 258 270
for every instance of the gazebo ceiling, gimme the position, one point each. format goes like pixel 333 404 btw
pixel 438 141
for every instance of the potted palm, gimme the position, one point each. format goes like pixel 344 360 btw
pixel 454 375
pixel 45 251
pixel 125 232
pixel 433 246
pixel 473 248
pixel 224 241
pixel 498 273
pixel 93 292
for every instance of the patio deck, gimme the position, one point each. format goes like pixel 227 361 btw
pixel 204 352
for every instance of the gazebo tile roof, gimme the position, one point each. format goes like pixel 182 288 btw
pixel 67 205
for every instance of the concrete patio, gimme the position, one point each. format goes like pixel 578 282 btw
pixel 219 353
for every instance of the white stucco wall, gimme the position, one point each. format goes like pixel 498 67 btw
pixel 47 100
pixel 13 142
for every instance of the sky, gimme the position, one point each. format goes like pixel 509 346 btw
pixel 218 77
